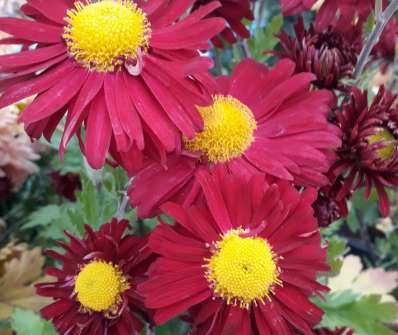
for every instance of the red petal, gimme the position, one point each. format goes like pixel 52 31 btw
pixel 56 97
pixel 25 58
pixel 31 31
pixel 36 85
pixel 163 315
pixel 215 201
pixel 98 133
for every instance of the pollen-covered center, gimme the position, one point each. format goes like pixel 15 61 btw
pixel 386 151
pixel 103 35
pixel 242 270
pixel 99 285
pixel 228 130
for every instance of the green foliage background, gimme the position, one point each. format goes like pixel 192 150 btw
pixel 39 216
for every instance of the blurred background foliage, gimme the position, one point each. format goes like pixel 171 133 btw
pixel 33 218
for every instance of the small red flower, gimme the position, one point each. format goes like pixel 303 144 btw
pixel 261 120
pixel 233 11
pixel 329 54
pixel 326 210
pixel 95 289
pixel 341 14
pixel 368 156
pixel 66 185
pixel 238 261
pixel 128 72
pixel 292 7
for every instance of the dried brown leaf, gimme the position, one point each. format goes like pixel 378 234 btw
pixel 17 283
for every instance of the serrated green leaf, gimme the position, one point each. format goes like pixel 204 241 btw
pixel 25 322
pixel 264 39
pixel 366 315
pixel 336 300
pixel 367 208
pixel 88 197
pixel 73 160
pixel 173 327
pixel 332 229
pixel 336 248
pixel 44 216
pixel 352 220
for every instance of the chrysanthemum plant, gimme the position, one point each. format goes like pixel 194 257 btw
pixel 208 165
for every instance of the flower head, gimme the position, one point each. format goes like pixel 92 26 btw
pixel 67 184
pixel 368 156
pixel 329 54
pixel 343 15
pixel 260 120
pixel 233 11
pixel 95 289
pixel 238 260
pixel 326 210
pixel 128 72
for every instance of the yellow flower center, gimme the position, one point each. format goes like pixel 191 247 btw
pixel 228 130
pixel 99 285
pixel 242 270
pixel 387 151
pixel 104 34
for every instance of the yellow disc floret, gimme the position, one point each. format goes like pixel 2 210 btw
pixel 386 152
pixel 103 35
pixel 242 270
pixel 99 285
pixel 228 130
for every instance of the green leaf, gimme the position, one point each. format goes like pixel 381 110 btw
pixel 336 248
pixel 173 327
pixel 352 221
pixel 88 197
pixel 369 24
pixel 25 322
pixel 264 39
pixel 73 160
pixel 366 315
pixel 332 229
pixel 367 209
pixel 44 216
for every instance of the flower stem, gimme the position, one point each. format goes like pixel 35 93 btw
pixel 381 22
pixel 124 202
pixel 123 206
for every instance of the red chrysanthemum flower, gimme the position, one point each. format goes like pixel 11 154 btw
pixel 239 262
pixel 368 156
pixel 95 289
pixel 329 54
pixel 233 11
pixel 326 210
pixel 292 7
pixel 261 120
pixel 339 331
pixel 128 70
pixel 341 14
pixel 67 184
